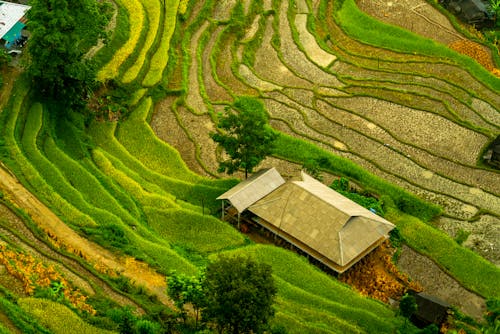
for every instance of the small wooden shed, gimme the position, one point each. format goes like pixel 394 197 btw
pixel 313 217
pixel 430 310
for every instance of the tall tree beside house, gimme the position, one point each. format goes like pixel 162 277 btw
pixel 239 294
pixel 246 136
pixel 61 32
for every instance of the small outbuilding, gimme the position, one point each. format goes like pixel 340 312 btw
pixel 475 12
pixel 12 22
pixel 430 310
pixel 311 216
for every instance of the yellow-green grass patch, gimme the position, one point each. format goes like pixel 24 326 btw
pixel 86 183
pixel 192 230
pixel 57 317
pixel 160 58
pixel 153 11
pixel 136 19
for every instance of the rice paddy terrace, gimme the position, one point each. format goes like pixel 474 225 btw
pixel 337 84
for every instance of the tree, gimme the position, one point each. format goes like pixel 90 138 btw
pixel 239 294
pixel 185 290
pixel 407 306
pixel 61 32
pixel 247 137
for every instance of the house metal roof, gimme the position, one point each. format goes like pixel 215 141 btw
pixel 314 217
pixel 10 14
pixel 253 189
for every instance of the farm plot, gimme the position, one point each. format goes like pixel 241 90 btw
pixel 407 117
pixel 416 123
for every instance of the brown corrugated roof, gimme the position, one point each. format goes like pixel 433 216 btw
pixel 252 189
pixel 319 218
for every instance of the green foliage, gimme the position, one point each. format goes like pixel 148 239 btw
pixel 184 290
pixel 193 230
pixel 494 7
pixel 247 138
pixel 431 329
pixel 4 57
pixel 120 34
pixel 461 236
pixel 303 287
pixel 407 306
pixel 493 311
pixel 57 317
pixel 395 237
pixel 108 233
pixel 59 35
pixel 53 292
pixel 147 327
pixel 342 186
pixel 312 168
pixel 239 294
pixel 124 318
pixel 160 58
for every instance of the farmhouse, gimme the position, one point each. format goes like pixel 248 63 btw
pixel 311 216
pixel 12 22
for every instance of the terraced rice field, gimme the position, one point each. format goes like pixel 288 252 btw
pixel 146 184
pixel 419 121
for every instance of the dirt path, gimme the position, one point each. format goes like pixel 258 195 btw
pixel 102 259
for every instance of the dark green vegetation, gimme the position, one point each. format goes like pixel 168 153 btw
pixel 61 33
pixel 235 294
pixel 239 294
pixel 246 136
pixel 118 184
pixel 407 306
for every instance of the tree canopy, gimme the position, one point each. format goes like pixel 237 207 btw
pixel 61 32
pixel 239 293
pixel 247 137
pixel 407 306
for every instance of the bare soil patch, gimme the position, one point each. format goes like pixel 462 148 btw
pixel 437 283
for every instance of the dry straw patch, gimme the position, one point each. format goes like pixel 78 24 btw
pixel 214 91
pixel 298 124
pixel 269 66
pixel 487 111
pixel 440 284
pixel 252 80
pixel 295 59
pixel 423 129
pixel 194 98
pixel 311 47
